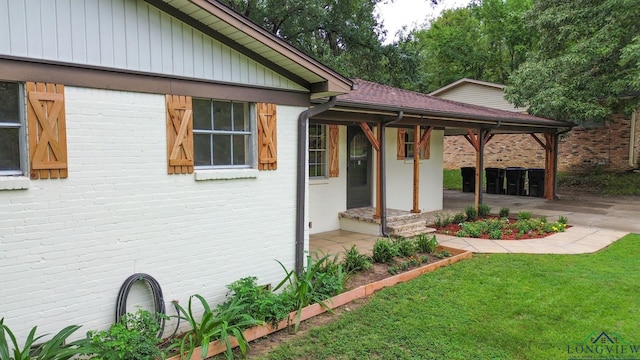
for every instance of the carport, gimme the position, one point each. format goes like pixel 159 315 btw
pixel 375 107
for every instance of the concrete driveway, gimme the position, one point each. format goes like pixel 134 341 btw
pixel 607 212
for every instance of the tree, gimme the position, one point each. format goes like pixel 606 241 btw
pixel 587 64
pixel 484 41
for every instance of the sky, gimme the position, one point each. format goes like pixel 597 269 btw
pixel 398 13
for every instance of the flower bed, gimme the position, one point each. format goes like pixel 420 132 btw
pixel 217 347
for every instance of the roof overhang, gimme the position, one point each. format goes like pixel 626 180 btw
pixel 241 34
pixel 375 103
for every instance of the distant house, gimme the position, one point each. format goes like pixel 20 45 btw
pixel 613 145
pixel 178 139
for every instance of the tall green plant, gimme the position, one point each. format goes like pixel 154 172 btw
pixel 220 325
pixel 301 288
pixel 54 349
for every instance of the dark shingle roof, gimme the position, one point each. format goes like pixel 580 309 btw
pixel 371 95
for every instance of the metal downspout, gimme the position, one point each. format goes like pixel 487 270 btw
pixel 632 141
pixel 303 129
pixel 383 177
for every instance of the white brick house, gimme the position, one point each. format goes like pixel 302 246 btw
pixel 154 137
pixel 178 139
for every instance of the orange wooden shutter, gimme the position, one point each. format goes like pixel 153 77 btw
pixel 47 131
pixel 267 140
pixel 179 134
pixel 425 151
pixel 334 156
pixel 401 155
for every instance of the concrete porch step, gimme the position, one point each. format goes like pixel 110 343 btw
pixel 409 227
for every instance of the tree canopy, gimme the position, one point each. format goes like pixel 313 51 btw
pixel 587 64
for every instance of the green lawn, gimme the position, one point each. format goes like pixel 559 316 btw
pixel 626 183
pixel 490 307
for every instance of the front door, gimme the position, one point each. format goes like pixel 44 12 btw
pixel 358 177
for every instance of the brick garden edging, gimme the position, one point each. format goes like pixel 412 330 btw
pixel 346 297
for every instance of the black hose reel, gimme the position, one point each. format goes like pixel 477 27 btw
pixel 158 300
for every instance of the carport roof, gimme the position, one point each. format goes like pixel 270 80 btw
pixel 374 102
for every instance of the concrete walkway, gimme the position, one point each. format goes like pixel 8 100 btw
pixel 576 240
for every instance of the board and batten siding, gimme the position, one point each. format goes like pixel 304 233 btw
pixel 67 245
pixel 124 34
pixel 480 95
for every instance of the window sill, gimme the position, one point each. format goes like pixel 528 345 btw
pixel 318 181
pixel 225 174
pixel 14 183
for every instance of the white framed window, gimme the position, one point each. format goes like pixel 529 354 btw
pixel 317 151
pixel 409 144
pixel 12 129
pixel 222 134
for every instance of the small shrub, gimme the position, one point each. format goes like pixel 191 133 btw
pixel 524 215
pixel 438 221
pixel 393 270
pixel 383 251
pixel 469 230
pixel 405 247
pixel 472 213
pixel 484 210
pixel 262 303
pixel 446 221
pixel 459 218
pixel 504 212
pixel 134 337
pixel 563 220
pixel 495 234
pixel 354 261
pixel 426 243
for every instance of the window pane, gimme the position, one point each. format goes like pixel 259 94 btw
pixel 10 149
pixel 221 149
pixel 240 150
pixel 222 115
pixel 9 111
pixel 201 114
pixel 240 120
pixel 202 149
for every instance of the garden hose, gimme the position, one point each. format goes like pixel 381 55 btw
pixel 158 299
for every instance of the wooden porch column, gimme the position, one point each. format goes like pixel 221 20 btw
pixel 375 141
pixel 478 144
pixel 419 142
pixel 549 146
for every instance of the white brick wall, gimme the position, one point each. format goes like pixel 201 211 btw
pixel 67 245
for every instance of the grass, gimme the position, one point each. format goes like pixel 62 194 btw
pixel 502 306
pixel 452 179
pixel 595 182
pixel 622 183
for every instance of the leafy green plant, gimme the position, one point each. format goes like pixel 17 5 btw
pixel 393 269
pixel 438 221
pixel 563 220
pixel 471 212
pixel 459 218
pixel 54 349
pixel 220 325
pixel 524 215
pixel 301 288
pixel 484 210
pixel 354 261
pixel 383 251
pixel 495 234
pixel 134 337
pixel 406 247
pixel 261 303
pixel 469 230
pixel 504 212
pixel 426 243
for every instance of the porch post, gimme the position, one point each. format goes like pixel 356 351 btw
pixel 378 214
pixel 550 165
pixel 416 169
pixel 479 166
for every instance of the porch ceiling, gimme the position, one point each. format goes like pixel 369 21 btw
pixel 374 103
